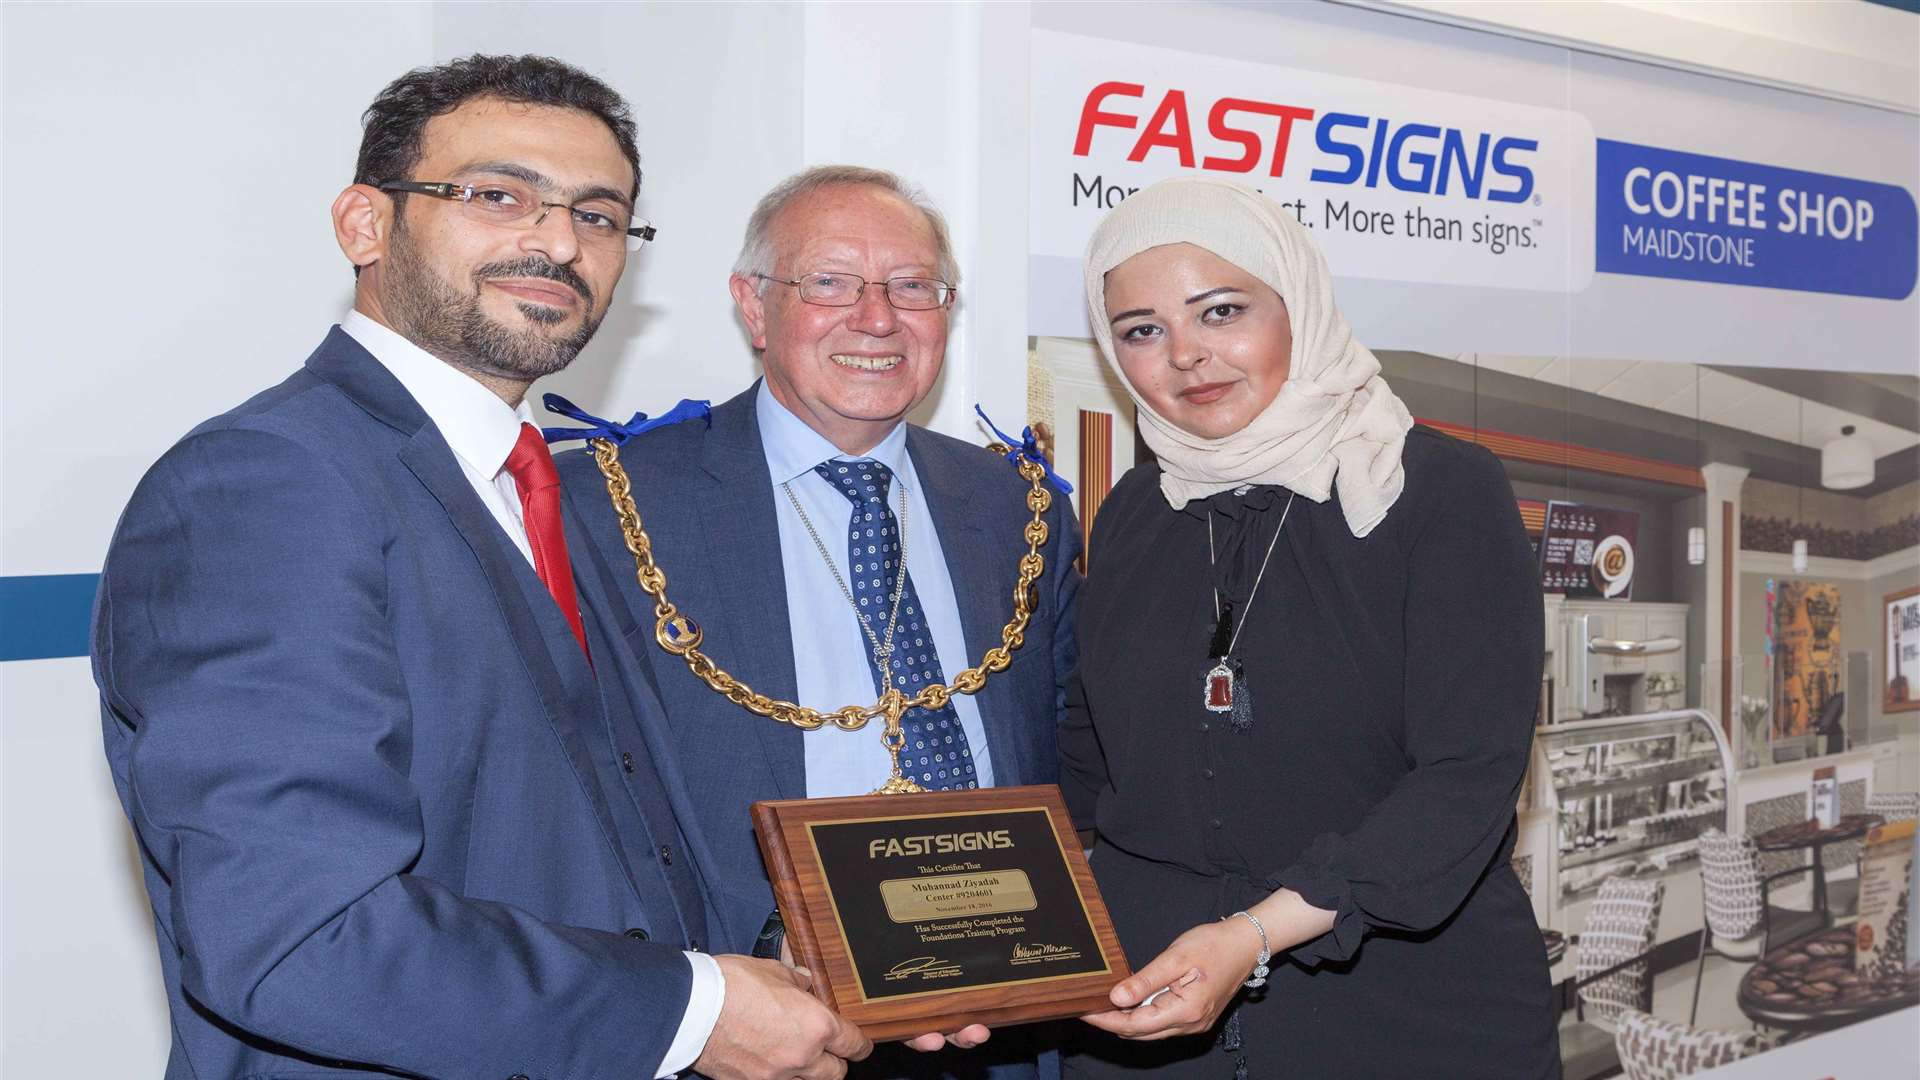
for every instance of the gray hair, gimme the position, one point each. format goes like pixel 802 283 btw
pixel 756 251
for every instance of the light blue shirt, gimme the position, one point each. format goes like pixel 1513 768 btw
pixel 830 651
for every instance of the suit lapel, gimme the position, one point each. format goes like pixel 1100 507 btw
pixel 600 587
pixel 432 462
pixel 593 574
pixel 982 575
pixel 750 577
pixel 343 362
pixel 629 686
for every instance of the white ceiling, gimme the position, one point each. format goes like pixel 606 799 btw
pixel 1851 51
pixel 1723 399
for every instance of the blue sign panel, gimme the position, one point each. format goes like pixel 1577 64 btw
pixel 1670 214
pixel 43 616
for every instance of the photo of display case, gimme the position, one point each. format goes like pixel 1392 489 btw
pixel 1629 797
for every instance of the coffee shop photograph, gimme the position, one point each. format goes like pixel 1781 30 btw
pixel 1692 348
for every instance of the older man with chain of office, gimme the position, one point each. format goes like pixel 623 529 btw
pixel 829 551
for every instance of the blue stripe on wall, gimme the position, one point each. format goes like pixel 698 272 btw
pixel 45 616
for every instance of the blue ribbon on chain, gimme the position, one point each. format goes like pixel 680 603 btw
pixel 598 428
pixel 1026 446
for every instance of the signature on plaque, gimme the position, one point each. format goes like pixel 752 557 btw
pixel 927 967
pixel 1040 954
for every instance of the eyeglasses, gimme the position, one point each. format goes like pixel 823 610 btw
pixel 845 290
pixel 600 223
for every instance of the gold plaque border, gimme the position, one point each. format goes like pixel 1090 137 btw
pixel 1024 876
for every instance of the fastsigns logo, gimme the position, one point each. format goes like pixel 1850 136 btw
pixel 1420 158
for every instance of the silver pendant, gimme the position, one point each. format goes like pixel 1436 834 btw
pixel 1216 690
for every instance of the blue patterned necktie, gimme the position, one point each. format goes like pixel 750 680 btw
pixel 937 755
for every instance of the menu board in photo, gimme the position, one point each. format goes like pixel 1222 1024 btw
pixel 1588 551
pixel 1825 797
pixel 1884 944
pixel 1900 690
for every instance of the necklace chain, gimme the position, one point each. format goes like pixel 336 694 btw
pixel 680 636
pixel 882 652
pixel 1257 578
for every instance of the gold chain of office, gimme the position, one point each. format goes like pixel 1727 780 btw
pixel 682 636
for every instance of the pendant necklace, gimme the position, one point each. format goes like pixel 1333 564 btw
pixel 882 649
pixel 1224 690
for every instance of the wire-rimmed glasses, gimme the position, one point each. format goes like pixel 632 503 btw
pixel 830 289
pixel 598 222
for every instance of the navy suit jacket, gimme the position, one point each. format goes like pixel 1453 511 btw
pixel 388 818
pixel 707 502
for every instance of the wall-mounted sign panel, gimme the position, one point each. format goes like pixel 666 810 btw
pixel 1479 195
pixel 1673 214
pixel 1588 551
pixel 1397 182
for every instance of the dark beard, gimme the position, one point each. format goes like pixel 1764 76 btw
pixel 434 315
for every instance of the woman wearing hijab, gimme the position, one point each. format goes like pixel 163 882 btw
pixel 1310 657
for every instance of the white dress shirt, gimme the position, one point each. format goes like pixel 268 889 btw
pixel 482 430
pixel 831 662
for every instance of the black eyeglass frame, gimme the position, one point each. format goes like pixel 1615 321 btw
pixel 953 291
pixel 463 193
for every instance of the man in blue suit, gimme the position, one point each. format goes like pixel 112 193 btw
pixel 400 798
pixel 827 548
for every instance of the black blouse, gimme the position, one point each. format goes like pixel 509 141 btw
pixel 1393 679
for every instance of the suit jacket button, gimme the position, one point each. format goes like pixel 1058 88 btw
pixel 666 854
pixel 637 934
pixel 518 1076
pixel 626 761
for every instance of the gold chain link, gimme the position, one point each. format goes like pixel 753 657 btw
pixel 681 637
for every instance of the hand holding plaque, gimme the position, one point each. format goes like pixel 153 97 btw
pixel 768 1026
pixel 933 911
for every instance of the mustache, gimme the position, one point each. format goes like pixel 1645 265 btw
pixel 537 268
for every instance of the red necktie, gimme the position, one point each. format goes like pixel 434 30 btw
pixel 531 465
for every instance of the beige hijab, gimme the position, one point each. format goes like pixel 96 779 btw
pixel 1334 422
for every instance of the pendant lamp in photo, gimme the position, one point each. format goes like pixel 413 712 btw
pixel 1846 462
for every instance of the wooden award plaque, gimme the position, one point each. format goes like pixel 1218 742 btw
pixel 928 912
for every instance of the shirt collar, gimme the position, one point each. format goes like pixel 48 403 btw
pixel 481 428
pixel 1237 502
pixel 793 448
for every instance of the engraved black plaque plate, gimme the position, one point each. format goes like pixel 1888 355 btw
pixel 975 900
